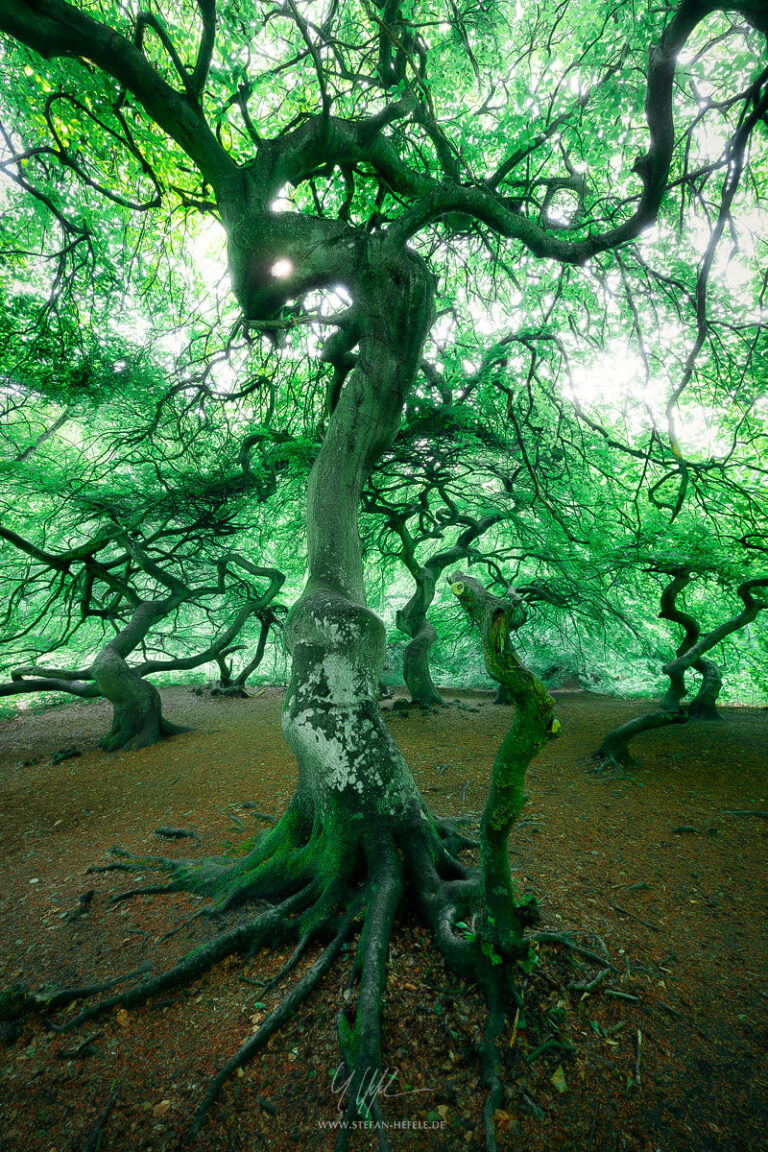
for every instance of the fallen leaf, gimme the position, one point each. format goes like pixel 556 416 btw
pixel 558 1079
pixel 161 1108
pixel 122 1018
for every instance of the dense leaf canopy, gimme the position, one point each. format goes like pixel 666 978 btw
pixel 610 413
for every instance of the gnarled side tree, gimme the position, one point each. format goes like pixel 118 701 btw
pixel 691 655
pixel 233 683
pixel 110 589
pixel 357 830
pixel 429 523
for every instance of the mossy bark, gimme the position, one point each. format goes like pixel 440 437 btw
pixel 504 918
pixel 503 695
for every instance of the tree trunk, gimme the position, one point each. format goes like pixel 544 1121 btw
pixel 614 750
pixel 504 919
pixel 703 706
pixel 235 686
pixel 138 720
pixel 357 831
pixel 412 619
pixel 676 669
pixel 351 774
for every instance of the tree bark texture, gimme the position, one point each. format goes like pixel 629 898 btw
pixel 347 759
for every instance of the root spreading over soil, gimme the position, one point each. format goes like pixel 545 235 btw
pixel 661 874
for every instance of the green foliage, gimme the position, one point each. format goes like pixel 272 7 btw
pixel 573 400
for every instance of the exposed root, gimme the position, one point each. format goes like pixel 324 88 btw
pixel 277 1017
pixel 271 924
pixel 49 1001
pixel 609 768
pixel 180 927
pixel 144 890
pixel 131 862
pixel 325 882
pixel 360 1040
pixel 490 1063
pixel 93 1143
pixel 565 941
pixel 449 828
pixel 312 924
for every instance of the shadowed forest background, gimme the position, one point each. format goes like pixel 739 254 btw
pixel 383 425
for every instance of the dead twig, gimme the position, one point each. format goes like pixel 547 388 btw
pixel 634 916
pixel 93 1143
pixel 565 940
pixel 591 984
pixel 80 1049
pixel 83 904
pixel 65 754
pixel 515 1027
pixel 638 1055
pixel 249 804
pixel 533 1107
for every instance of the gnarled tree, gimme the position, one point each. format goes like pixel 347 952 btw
pixel 414 521
pixel 110 589
pixel 375 122
pixel 691 655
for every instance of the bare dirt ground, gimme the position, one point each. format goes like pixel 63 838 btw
pixel 668 1052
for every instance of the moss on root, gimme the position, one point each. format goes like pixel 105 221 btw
pixel 339 865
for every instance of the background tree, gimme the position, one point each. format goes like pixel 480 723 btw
pixel 415 508
pixel 105 583
pixel 691 655
pixel 112 542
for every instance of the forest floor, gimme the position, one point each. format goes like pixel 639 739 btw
pixel 667 867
